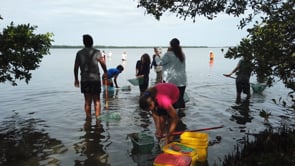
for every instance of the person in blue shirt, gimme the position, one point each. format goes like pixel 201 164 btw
pixel 113 73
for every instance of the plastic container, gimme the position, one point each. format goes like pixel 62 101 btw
pixel 181 149
pixel 136 81
pixel 110 116
pixel 126 88
pixel 165 159
pixel 258 87
pixel 197 140
pixel 109 88
pixel 142 141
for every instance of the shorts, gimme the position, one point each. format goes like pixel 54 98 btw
pixel 161 112
pixel 109 82
pixel 91 87
pixel 243 87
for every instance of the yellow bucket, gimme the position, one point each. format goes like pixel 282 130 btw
pixel 181 149
pixel 197 140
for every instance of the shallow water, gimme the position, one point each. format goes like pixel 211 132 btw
pixel 44 122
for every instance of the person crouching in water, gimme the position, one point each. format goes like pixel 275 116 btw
pixel 113 73
pixel 159 100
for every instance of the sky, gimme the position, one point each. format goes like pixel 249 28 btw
pixel 118 23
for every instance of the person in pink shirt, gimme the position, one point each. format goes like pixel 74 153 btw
pixel 159 100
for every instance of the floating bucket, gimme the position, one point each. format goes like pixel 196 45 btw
pixel 109 88
pixel 258 87
pixel 136 81
pixel 181 149
pixel 165 159
pixel 110 116
pixel 142 141
pixel 196 140
pixel 126 88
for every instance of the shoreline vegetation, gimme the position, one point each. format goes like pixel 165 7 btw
pixel 269 147
pixel 102 46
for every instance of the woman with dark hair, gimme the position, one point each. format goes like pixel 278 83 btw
pixel 159 100
pixel 173 62
pixel 143 70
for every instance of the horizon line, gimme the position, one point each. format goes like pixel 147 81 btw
pixel 105 46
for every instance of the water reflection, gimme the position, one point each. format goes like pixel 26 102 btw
pixel 23 141
pixel 211 62
pixel 91 145
pixel 241 115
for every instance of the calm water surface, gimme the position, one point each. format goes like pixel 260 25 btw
pixel 44 123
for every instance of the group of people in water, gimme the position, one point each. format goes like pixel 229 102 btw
pixel 164 99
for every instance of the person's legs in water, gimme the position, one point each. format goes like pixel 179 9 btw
pixel 158 77
pixel 239 91
pixel 246 90
pixel 91 91
pixel 144 85
pixel 87 104
pixel 180 104
pixel 96 101
pixel 181 101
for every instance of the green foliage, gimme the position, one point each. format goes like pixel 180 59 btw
pixel 271 41
pixel 192 8
pixel 270 45
pixel 209 8
pixel 269 147
pixel 21 51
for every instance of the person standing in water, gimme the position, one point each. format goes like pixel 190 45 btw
pixel 211 55
pixel 243 71
pixel 173 62
pixel 156 63
pixel 86 60
pixel 124 56
pixel 143 70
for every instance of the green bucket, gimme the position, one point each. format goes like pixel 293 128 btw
pixel 142 141
pixel 110 116
pixel 126 88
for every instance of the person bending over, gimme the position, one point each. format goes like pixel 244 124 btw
pixel 113 73
pixel 159 100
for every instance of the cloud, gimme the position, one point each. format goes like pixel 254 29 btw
pixel 116 22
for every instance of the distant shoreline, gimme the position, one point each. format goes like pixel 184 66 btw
pixel 98 46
